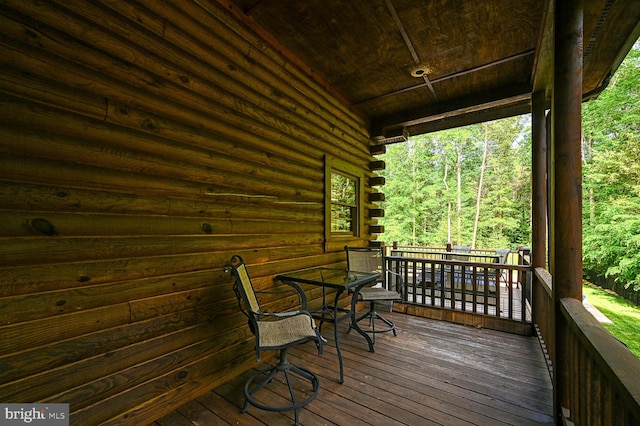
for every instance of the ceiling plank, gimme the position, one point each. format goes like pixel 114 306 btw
pixel 542 75
pixel 248 21
pixel 447 77
pixel 409 44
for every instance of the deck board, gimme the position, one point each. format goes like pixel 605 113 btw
pixel 432 373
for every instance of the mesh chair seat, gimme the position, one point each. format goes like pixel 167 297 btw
pixel 286 331
pixel 377 293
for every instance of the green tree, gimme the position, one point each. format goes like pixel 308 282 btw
pixel 611 151
pixel 434 193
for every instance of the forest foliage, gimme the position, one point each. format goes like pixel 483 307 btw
pixel 611 177
pixel 438 191
pixel 472 185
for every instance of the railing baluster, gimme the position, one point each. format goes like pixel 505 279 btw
pixel 486 289
pixel 441 280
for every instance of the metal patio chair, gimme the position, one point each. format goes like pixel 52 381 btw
pixel 504 258
pixel 371 259
pixel 276 331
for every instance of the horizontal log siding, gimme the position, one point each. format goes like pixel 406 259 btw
pixel 142 144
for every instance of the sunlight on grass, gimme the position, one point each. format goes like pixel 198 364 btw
pixel 625 315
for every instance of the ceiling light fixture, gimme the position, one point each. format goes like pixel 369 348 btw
pixel 420 71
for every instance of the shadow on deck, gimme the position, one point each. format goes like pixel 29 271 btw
pixel 432 373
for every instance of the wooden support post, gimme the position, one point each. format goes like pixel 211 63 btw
pixel 566 187
pixel 539 180
pixel 566 168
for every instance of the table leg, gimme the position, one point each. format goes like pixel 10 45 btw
pixel 323 308
pixel 335 335
pixel 354 323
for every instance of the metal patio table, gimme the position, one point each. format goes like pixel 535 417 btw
pixel 340 280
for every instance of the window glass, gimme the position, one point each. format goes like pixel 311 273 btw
pixel 344 203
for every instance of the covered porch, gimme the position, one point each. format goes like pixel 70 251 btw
pixel 143 143
pixel 432 373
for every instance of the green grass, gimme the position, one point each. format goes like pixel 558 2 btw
pixel 624 315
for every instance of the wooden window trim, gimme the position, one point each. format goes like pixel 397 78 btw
pixel 333 164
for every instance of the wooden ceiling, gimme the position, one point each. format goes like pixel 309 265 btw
pixel 471 60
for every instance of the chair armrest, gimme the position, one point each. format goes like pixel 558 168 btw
pixel 302 298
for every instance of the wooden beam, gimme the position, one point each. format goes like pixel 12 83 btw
pixel 377 149
pixel 543 65
pixel 377 181
pixel 376 213
pixel 472 103
pixel 539 180
pixel 376 229
pixel 376 196
pixel 377 165
pixel 453 121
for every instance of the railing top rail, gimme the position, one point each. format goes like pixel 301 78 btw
pixel 460 262
pixel 619 364
pixel 439 249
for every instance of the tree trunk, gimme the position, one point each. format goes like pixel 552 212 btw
pixel 459 205
pixel 413 205
pixel 446 186
pixel 479 197
pixel 587 155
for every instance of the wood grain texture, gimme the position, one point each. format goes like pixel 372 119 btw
pixel 431 373
pixel 142 145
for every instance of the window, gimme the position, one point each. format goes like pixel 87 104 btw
pixel 344 203
pixel 343 198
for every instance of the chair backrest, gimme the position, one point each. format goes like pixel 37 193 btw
pixel 243 287
pixel 369 259
pixel 504 255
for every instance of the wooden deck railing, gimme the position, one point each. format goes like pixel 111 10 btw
pixel 542 307
pixel 601 375
pixel 595 376
pixel 462 281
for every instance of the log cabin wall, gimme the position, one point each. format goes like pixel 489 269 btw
pixel 141 145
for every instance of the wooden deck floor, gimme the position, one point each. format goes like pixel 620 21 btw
pixel 432 373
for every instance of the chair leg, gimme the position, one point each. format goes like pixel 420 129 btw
pixel 288 371
pixel 372 315
pixel 392 326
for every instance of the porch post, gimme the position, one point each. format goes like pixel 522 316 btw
pixel 566 183
pixel 538 180
pixel 566 167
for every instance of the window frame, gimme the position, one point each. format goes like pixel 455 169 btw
pixel 336 165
